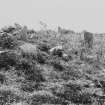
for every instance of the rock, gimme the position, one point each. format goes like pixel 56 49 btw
pixel 56 51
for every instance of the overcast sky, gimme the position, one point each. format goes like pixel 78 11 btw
pixel 72 14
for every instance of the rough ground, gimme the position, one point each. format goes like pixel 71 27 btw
pixel 29 75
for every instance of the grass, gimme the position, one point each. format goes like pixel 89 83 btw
pixel 30 75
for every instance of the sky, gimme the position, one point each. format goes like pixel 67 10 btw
pixel 77 15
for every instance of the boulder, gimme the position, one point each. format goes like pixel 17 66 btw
pixel 57 50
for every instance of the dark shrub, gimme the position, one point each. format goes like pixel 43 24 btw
pixel 46 98
pixel 82 99
pixel 71 73
pixel 34 74
pixel 72 93
pixel 30 86
pixel 44 47
pixel 7 96
pixel 56 64
pixel 7 41
pixel 8 59
pixel 9 29
pixel 30 70
pixel 68 91
pixel 41 57
pixel 23 64
pixel 2 78
pixel 88 38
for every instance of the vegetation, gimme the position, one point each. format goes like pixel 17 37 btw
pixel 31 75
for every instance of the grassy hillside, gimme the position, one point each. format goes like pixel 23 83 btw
pixel 30 75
